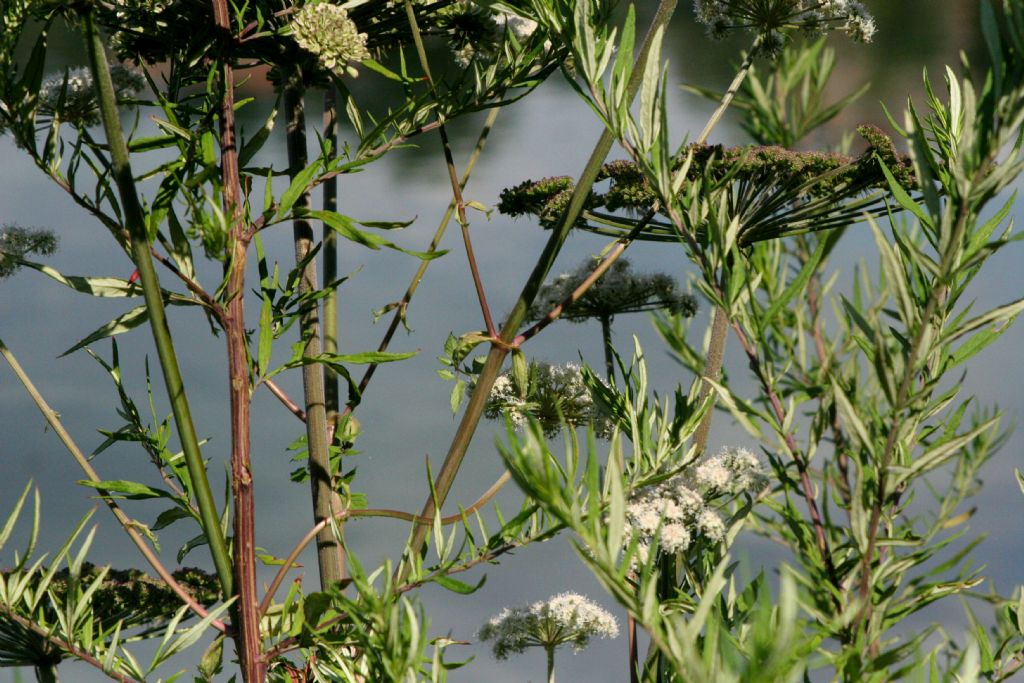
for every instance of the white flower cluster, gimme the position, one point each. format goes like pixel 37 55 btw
pixel 771 18
pixel 328 32
pixel 80 103
pixel 677 511
pixel 565 618
pixel 553 393
pixel 732 470
pixel 673 513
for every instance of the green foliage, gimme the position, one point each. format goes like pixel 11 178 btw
pixel 873 449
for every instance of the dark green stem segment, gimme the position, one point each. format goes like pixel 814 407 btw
pixel 330 250
pixel 140 251
pixel 496 356
pixel 328 549
pixel 47 673
pixel 609 350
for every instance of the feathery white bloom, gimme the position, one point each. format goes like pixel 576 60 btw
pixel 732 470
pixel 564 618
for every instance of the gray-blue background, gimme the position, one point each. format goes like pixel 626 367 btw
pixel 405 416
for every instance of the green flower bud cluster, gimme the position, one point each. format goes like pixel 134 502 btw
pixel 329 33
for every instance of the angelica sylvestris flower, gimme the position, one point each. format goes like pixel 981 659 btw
pixel 328 32
pixel 771 19
pixel 732 470
pixel 72 95
pixel 681 510
pixel 567 618
pixel 551 394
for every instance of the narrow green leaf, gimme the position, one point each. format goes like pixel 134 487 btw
pixel 455 586
pixel 345 227
pixel 299 186
pixel 129 489
pixel 119 325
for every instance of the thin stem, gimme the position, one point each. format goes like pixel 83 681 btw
pixel 127 523
pixel 330 251
pixel 720 320
pixel 248 641
pixel 403 304
pixel 730 93
pixel 501 346
pixel 140 249
pixel 329 555
pixel 712 371
pixel 453 178
pixel 370 512
pixel 613 254
pixel 609 351
pixel 802 465
pixel 46 673
pixel 902 398
pixel 285 400
pixel 550 650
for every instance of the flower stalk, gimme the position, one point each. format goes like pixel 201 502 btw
pixel 140 252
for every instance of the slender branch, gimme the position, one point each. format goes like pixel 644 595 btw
pixel 501 346
pixel 140 249
pixel 613 254
pixel 902 397
pixel 720 320
pixel 330 251
pixel 126 522
pixel 285 400
pixel 325 503
pixel 403 304
pixel 801 463
pixel 289 561
pixel 453 178
pixel 609 350
pixel 248 641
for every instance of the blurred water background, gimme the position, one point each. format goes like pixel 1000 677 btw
pixel 405 414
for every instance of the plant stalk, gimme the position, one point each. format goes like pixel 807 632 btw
pixel 248 640
pixel 329 556
pixel 501 346
pixel 140 252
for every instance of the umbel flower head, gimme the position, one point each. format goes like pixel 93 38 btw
pixel 477 32
pixel 327 31
pixel 566 618
pixel 551 394
pixel 72 97
pixel 619 290
pixel 772 19
pixel 771 190
pixel 681 510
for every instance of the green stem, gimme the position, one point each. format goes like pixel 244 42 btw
pixel 551 663
pixel 47 673
pixel 140 251
pixel 609 352
pixel 328 549
pixel 500 348
pixel 720 322
pixel 330 249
